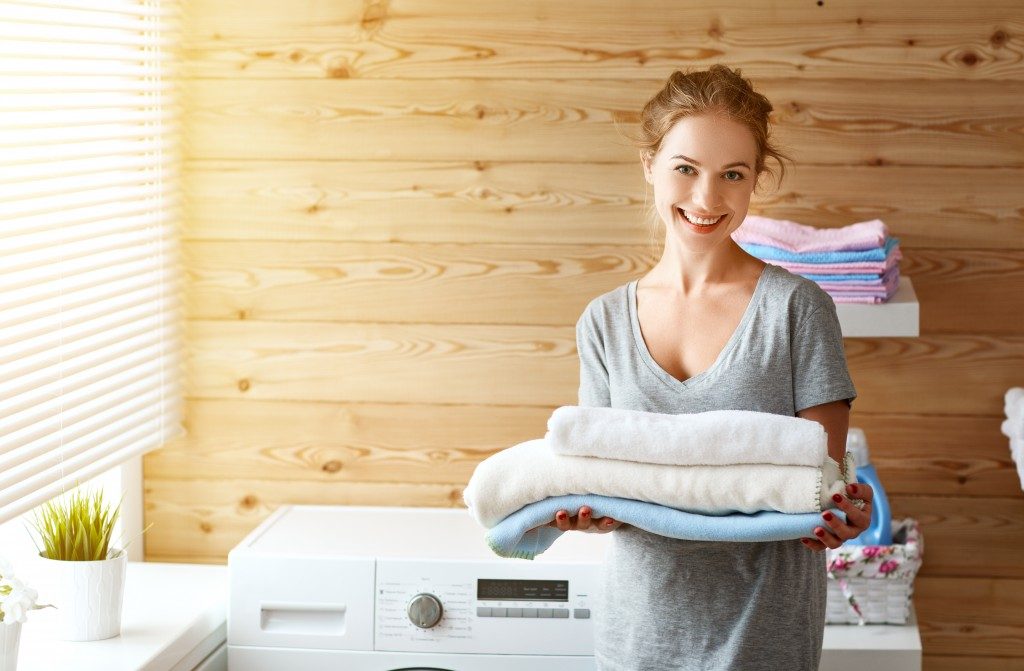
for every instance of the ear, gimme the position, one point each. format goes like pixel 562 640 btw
pixel 647 169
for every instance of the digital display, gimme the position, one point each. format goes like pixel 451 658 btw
pixel 522 590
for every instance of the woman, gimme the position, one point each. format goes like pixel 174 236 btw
pixel 711 327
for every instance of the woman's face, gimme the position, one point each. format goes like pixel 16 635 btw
pixel 716 178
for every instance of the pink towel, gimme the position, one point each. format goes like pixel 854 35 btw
pixel 886 283
pixel 794 237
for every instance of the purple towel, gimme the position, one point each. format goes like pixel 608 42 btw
pixel 800 238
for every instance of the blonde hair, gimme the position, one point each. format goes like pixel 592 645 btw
pixel 719 90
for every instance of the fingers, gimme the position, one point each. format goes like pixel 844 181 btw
pixel 583 521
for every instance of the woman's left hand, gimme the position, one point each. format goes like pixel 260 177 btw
pixel 835 531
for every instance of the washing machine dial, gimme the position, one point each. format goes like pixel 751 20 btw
pixel 425 610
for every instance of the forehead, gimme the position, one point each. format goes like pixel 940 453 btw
pixel 711 140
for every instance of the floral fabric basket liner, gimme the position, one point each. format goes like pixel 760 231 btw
pixel 893 566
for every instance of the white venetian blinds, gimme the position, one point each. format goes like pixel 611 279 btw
pixel 89 277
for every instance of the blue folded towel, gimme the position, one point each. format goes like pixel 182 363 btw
pixel 769 253
pixel 518 535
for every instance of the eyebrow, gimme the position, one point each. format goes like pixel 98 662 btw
pixel 687 158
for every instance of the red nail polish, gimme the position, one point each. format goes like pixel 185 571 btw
pixel 819 532
pixel 828 517
pixel 853 489
pixel 561 516
pixel 837 497
pixel 584 514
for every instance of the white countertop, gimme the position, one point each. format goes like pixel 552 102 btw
pixel 173 616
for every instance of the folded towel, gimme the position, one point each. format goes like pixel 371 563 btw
pixel 520 535
pixel 891 260
pixel 1013 427
pixel 880 286
pixel 529 472
pixel 801 238
pixel 712 438
pixel 767 253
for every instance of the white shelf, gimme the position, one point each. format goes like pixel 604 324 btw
pixel 900 317
pixel 174 617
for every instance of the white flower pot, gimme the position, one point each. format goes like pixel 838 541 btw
pixel 10 634
pixel 87 596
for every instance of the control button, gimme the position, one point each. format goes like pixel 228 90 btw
pixel 515 612
pixel 425 610
pixel 483 612
pixel 544 612
pixel 529 612
pixel 497 612
pixel 559 612
pixel 581 613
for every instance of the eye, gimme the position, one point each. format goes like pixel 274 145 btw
pixel 684 166
pixel 739 175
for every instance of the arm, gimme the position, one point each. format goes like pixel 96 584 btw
pixel 835 417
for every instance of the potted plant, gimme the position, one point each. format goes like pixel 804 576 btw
pixel 16 599
pixel 86 572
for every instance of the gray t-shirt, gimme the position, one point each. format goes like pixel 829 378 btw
pixel 703 605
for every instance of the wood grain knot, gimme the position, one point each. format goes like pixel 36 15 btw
pixel 243 385
pixel 249 501
pixel 205 527
pixel 332 466
pixel 969 58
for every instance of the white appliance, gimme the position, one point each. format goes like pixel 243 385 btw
pixel 359 588
pixel 351 588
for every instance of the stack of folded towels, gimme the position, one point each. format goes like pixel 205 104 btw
pixel 722 475
pixel 1013 427
pixel 858 263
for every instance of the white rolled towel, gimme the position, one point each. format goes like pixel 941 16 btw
pixel 713 438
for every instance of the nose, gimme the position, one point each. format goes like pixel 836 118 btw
pixel 705 194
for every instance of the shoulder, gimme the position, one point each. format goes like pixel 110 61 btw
pixel 798 296
pixel 605 309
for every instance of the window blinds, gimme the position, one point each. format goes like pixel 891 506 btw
pixel 89 205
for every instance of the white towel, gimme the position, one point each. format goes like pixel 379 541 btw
pixel 1013 427
pixel 530 472
pixel 712 438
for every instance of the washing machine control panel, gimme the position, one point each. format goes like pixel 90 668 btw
pixel 484 607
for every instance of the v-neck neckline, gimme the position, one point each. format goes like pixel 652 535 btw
pixel 656 368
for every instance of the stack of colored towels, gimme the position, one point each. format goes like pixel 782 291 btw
pixel 858 263
pixel 722 475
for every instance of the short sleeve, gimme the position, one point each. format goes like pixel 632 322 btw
pixel 593 391
pixel 820 374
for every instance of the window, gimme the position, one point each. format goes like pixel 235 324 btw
pixel 90 319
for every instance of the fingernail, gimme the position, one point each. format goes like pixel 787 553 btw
pixel 828 517
pixel 805 541
pixel 837 497
pixel 853 489
pixel 819 532
pixel 561 516
pixel 607 523
pixel 584 514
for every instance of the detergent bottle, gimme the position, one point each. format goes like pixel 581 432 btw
pixel 880 530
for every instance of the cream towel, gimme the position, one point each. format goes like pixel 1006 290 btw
pixel 530 472
pixel 713 438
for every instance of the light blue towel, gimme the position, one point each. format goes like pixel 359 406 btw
pixel 516 536
pixel 769 253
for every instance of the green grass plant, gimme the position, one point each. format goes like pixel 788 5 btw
pixel 76 528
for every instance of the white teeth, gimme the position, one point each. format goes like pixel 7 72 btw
pixel 699 221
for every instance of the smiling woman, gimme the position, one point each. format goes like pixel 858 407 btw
pixel 711 327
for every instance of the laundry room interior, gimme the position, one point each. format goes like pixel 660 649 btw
pixel 372 230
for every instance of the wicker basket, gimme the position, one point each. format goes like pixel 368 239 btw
pixel 872 584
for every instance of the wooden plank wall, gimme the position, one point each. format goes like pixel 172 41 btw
pixel 396 212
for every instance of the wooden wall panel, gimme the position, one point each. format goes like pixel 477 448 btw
pixel 396 212
pixel 507 202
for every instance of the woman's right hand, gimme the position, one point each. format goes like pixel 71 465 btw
pixel 582 522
